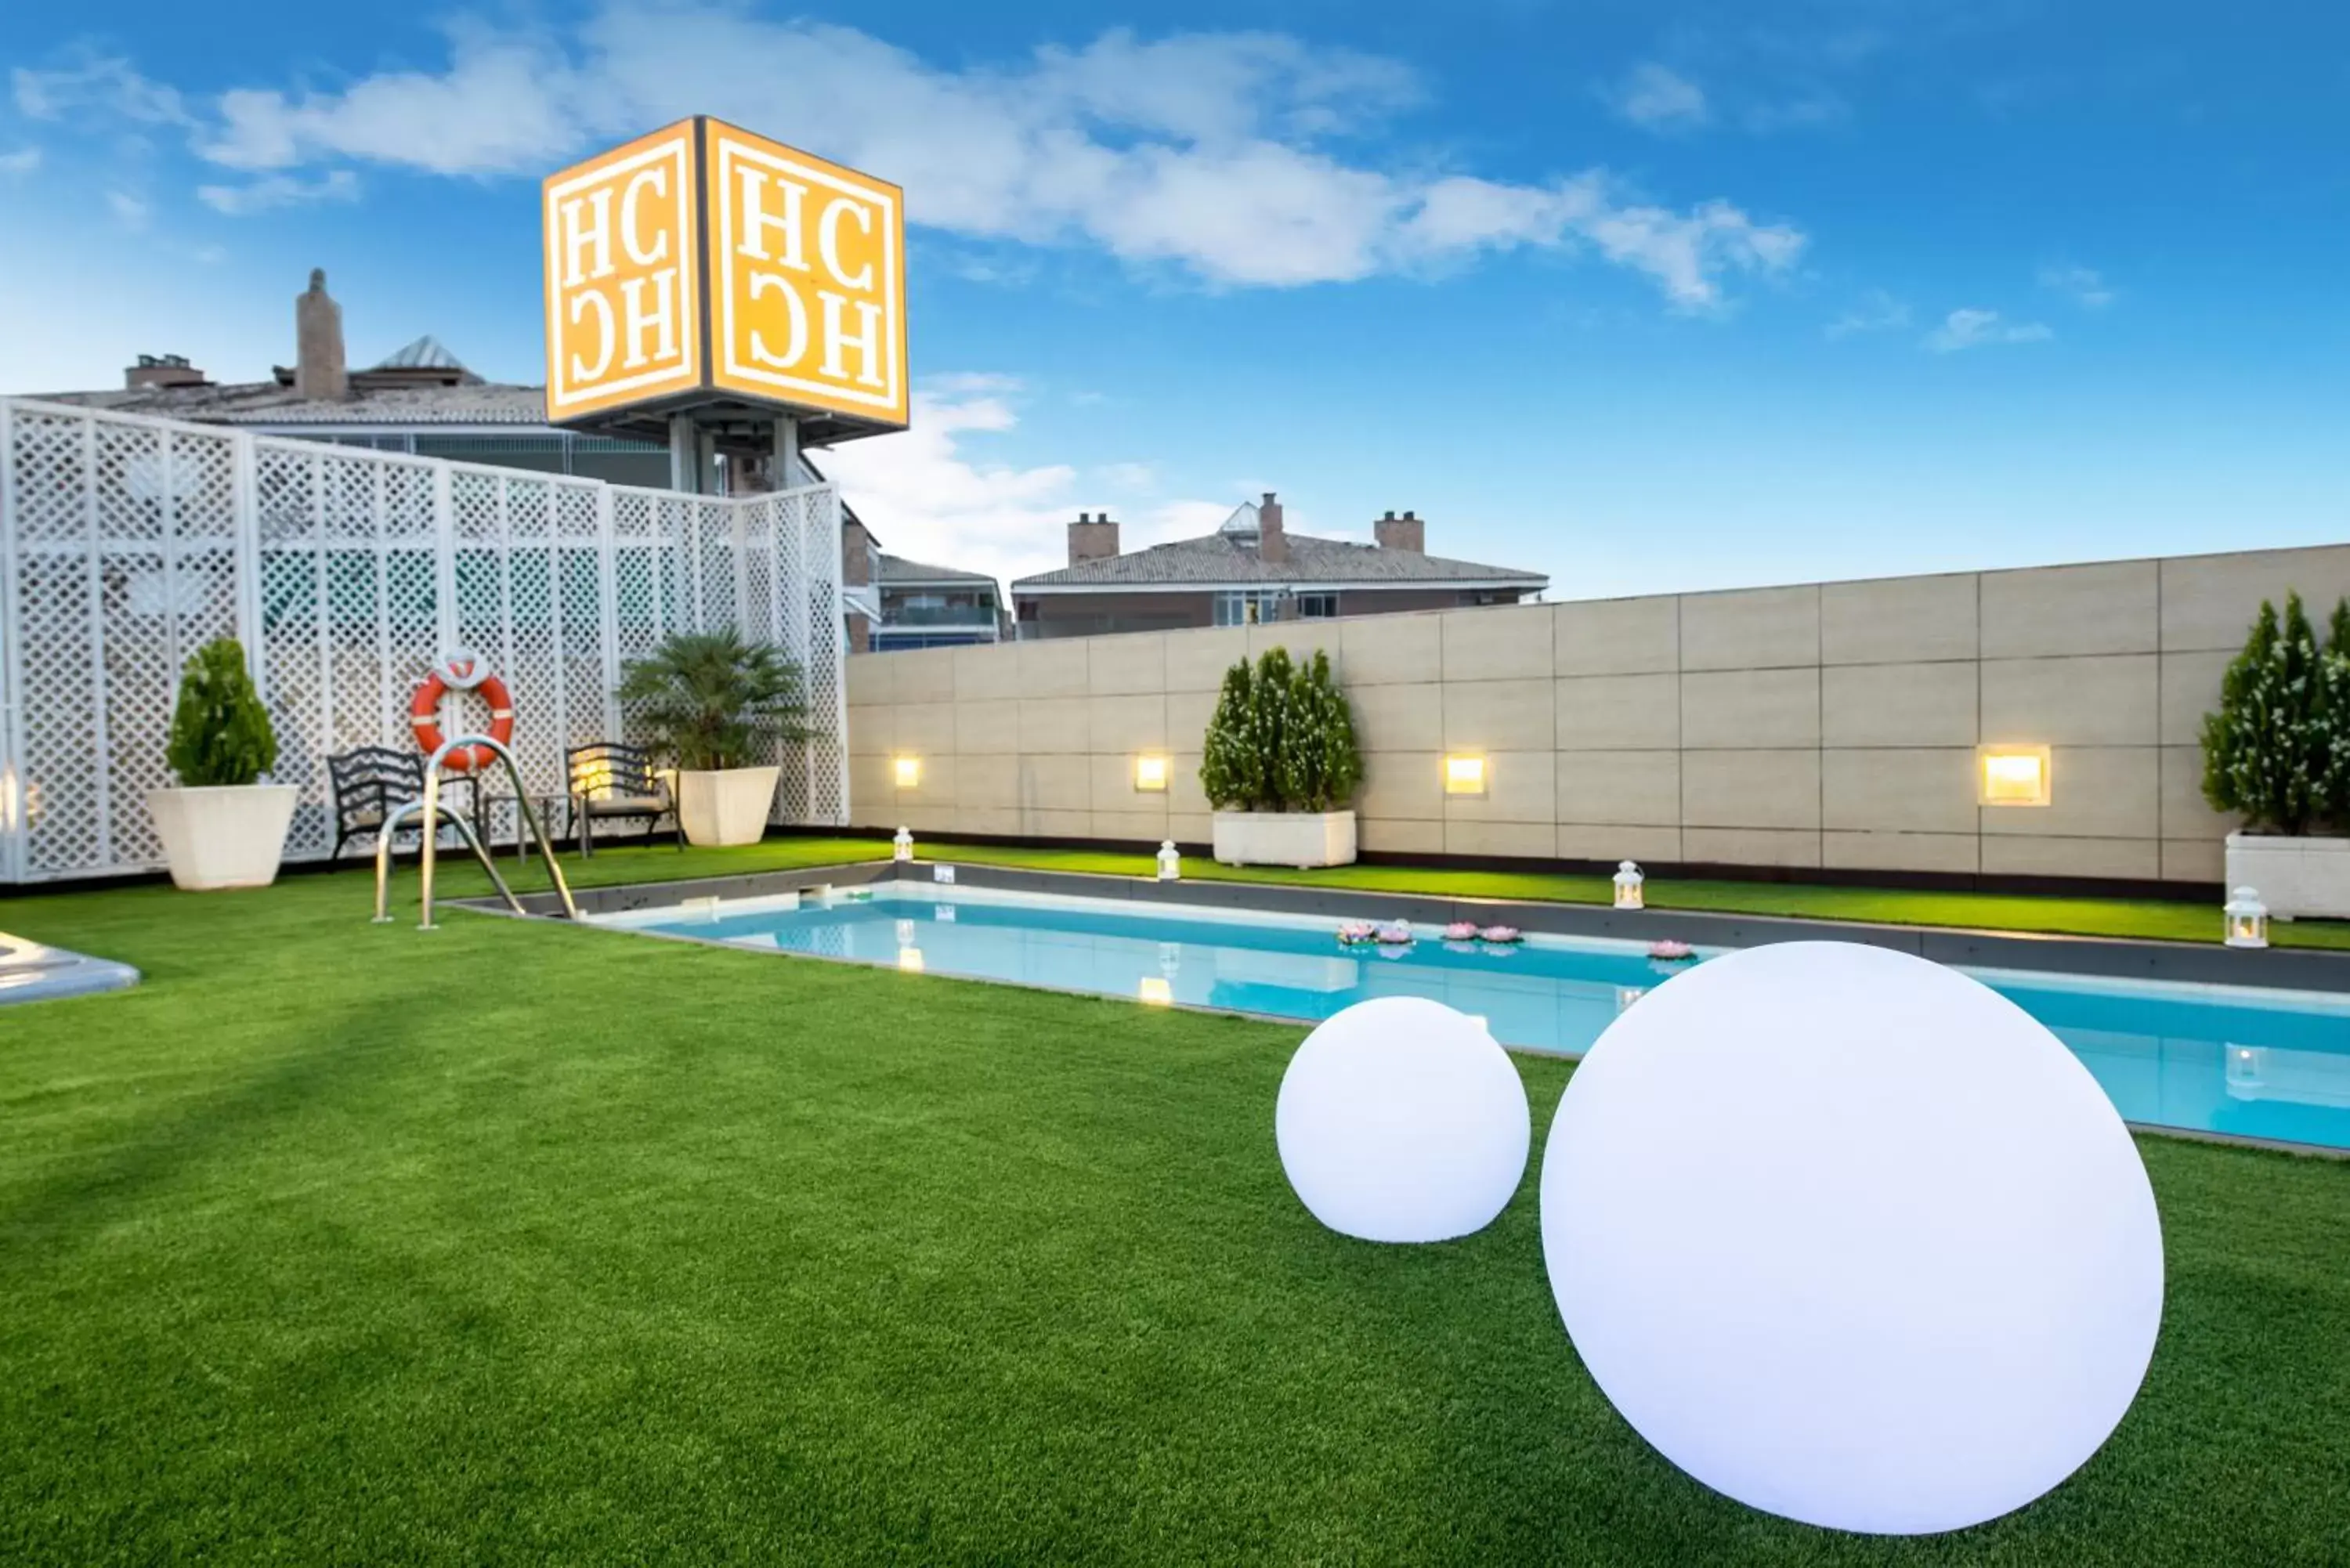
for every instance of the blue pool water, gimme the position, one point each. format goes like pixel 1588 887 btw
pixel 2255 1063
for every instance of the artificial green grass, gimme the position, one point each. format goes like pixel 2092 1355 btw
pixel 520 1242
pixel 2148 919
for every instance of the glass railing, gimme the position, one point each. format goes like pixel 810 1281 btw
pixel 938 615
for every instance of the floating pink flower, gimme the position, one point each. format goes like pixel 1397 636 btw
pixel 1501 934
pixel 1669 949
pixel 1461 931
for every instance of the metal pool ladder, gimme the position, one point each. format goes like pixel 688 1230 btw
pixel 429 809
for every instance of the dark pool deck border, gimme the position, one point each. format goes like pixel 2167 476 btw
pixel 2070 955
pixel 2105 958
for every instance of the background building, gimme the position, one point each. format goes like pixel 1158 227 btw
pixel 1252 569
pixel 933 607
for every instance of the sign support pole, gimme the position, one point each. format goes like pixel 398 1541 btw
pixel 787 453
pixel 685 454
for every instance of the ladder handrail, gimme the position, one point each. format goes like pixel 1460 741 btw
pixel 400 818
pixel 430 808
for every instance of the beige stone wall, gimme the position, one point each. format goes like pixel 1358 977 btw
pixel 1828 724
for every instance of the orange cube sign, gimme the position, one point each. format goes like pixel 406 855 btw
pixel 704 264
pixel 808 284
pixel 624 298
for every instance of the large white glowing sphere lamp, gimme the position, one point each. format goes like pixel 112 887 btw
pixel 1851 1238
pixel 1401 1120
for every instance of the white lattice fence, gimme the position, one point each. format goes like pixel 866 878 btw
pixel 125 543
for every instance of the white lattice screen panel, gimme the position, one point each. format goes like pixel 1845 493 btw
pixel 125 543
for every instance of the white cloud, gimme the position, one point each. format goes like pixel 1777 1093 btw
pixel 1226 155
pixel 96 82
pixel 2085 286
pixel 131 211
pixel 1128 475
pixel 273 191
pixel 959 382
pixel 1685 253
pixel 929 495
pixel 24 161
pixel 1877 312
pixel 1976 329
pixel 1657 98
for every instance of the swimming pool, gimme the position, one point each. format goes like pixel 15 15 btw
pixel 2241 1061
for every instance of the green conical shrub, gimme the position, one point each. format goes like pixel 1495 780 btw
pixel 2264 750
pixel 1282 739
pixel 221 733
pixel 1232 772
pixel 2332 739
pixel 1338 756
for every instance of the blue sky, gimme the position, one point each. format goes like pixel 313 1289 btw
pixel 1648 296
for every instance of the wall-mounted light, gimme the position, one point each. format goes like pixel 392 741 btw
pixel 1156 990
pixel 2013 775
pixel 1464 776
pixel 910 960
pixel 909 772
pixel 1150 775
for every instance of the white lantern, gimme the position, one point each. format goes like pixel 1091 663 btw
pixel 2246 919
pixel 1401 1120
pixel 1851 1238
pixel 1171 865
pixel 902 846
pixel 1628 887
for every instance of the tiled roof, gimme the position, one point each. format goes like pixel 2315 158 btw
pixel 1223 558
pixel 898 569
pixel 267 404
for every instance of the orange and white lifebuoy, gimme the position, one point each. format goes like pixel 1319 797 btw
pixel 462 672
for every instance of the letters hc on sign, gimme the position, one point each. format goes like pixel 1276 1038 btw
pixel 702 264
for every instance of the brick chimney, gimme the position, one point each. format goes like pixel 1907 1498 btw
pixel 163 370
pixel 1404 532
pixel 1092 537
pixel 1272 541
pixel 856 555
pixel 319 370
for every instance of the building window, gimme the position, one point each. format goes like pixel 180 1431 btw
pixel 1243 609
pixel 1316 607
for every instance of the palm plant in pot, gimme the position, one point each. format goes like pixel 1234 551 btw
pixel 715 704
pixel 221 827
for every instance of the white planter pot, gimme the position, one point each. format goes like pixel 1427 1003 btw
pixel 225 836
pixel 2295 877
pixel 726 805
pixel 1301 838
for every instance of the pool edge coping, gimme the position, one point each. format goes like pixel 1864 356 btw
pixel 1281 898
pixel 2104 957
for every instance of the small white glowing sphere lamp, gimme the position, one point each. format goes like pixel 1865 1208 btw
pixel 1401 1120
pixel 1852 1237
pixel 1170 864
pixel 2248 920
pixel 1628 887
pixel 901 847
